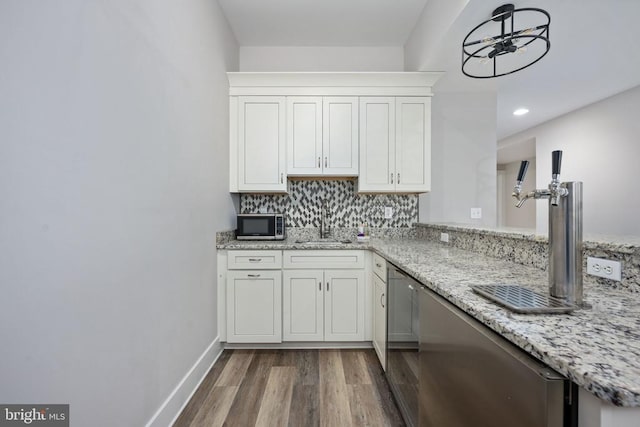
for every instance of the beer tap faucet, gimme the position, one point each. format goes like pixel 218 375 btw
pixel 565 230
pixel 553 193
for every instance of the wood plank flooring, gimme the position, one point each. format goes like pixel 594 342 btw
pixel 293 388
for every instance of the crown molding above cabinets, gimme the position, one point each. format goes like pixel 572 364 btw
pixel 333 84
pixel 330 124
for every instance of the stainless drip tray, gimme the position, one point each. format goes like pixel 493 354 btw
pixel 523 300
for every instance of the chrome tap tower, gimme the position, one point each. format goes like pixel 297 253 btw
pixel 565 231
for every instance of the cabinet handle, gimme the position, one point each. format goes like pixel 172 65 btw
pixel 325 162
pixel 327 286
pixel 255 259
pixel 392 178
pixel 319 286
pixel 281 178
pixel 382 300
pixel 378 265
pixel 411 287
pixel 253 275
pixel 398 178
pixel 319 162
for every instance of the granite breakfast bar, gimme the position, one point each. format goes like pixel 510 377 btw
pixel 598 349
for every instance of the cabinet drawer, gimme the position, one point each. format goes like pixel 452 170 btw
pixel 323 259
pixel 380 267
pixel 254 260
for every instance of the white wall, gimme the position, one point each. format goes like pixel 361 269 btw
pixel 463 152
pixel 113 183
pixel 463 131
pixel 321 58
pixel 600 145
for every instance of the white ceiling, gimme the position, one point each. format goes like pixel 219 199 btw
pixel 322 22
pixel 592 54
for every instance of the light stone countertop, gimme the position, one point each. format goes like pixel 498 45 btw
pixel 598 349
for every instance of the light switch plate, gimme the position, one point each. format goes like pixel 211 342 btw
pixel 388 212
pixel 604 268
pixel 476 213
pixel 444 237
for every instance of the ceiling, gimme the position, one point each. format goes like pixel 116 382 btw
pixel 592 52
pixel 322 22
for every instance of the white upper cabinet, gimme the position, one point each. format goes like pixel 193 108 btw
pixel 377 144
pixel 374 126
pixel 395 144
pixel 261 144
pixel 413 144
pixel 304 135
pixel 340 135
pixel 322 136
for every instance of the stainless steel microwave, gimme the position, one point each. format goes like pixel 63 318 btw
pixel 260 227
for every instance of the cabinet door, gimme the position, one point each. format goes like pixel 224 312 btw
pixel 380 319
pixel 303 305
pixel 340 136
pixel 413 144
pixel 254 306
pixel 261 144
pixel 344 305
pixel 377 145
pixel 304 135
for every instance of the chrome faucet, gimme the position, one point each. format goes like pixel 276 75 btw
pixel 555 191
pixel 565 230
pixel 325 228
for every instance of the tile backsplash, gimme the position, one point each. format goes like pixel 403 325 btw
pixel 347 208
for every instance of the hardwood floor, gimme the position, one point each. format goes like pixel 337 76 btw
pixel 293 388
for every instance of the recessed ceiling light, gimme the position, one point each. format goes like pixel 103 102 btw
pixel 520 112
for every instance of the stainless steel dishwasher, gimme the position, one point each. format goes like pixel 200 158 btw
pixel 403 324
pixel 470 376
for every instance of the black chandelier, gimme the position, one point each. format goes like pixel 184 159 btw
pixel 497 47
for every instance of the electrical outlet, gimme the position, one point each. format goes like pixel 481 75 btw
pixel 476 213
pixel 444 237
pixel 388 212
pixel 604 268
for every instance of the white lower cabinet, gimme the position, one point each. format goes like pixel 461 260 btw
pixel 344 305
pixel 303 305
pixel 380 308
pixel 254 297
pixel 380 319
pixel 297 295
pixel 323 304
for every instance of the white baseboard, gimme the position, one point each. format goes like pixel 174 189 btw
pixel 171 408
